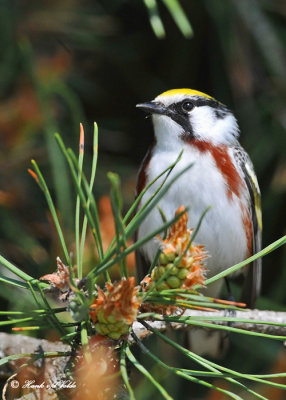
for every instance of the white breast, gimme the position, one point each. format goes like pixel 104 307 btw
pixel 221 232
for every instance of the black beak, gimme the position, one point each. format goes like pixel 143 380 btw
pixel 152 108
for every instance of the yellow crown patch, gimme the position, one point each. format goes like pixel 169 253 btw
pixel 190 92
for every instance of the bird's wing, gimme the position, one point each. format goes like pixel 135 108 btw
pixel 142 176
pixel 252 284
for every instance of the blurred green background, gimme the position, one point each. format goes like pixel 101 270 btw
pixel 68 62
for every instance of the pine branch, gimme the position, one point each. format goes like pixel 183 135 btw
pixel 276 317
pixel 13 344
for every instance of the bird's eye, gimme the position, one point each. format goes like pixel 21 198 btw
pixel 187 106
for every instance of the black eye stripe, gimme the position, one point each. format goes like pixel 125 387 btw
pixel 221 108
pixel 206 102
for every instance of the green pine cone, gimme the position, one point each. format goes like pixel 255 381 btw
pixel 162 286
pixel 174 282
pixel 114 335
pixel 182 273
pixel 163 259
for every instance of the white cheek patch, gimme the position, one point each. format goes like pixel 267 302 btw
pixel 202 122
pixel 208 127
pixel 226 130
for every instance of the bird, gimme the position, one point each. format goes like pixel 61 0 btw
pixel 221 176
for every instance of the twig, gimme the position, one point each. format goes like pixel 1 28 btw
pixel 276 317
pixel 14 344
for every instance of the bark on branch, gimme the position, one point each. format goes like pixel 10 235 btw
pixel 269 317
pixel 15 344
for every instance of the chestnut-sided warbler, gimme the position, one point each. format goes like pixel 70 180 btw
pixel 222 176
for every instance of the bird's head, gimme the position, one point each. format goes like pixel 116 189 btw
pixel 185 114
